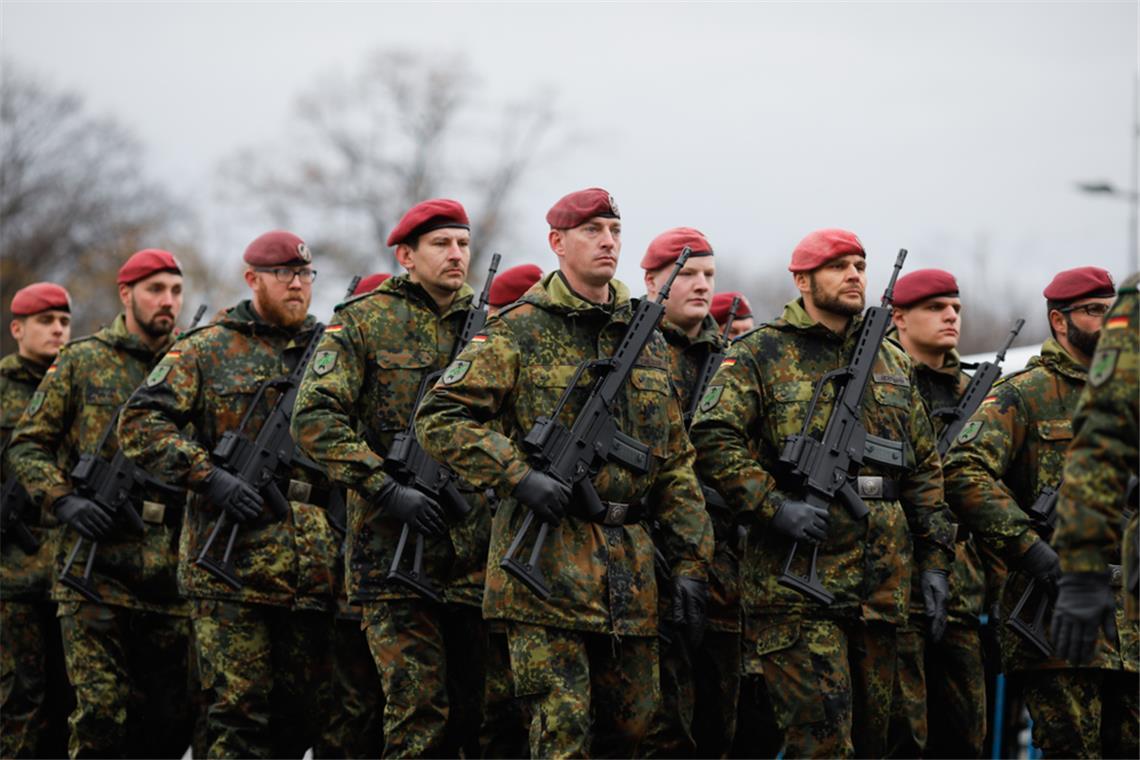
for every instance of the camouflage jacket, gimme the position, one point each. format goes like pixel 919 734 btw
pixel 74 404
pixel 23 576
pixel 759 397
pixel 475 418
pixel 208 382
pixel 1012 448
pixel 359 392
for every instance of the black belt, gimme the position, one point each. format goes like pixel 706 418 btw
pixel 616 513
pixel 877 487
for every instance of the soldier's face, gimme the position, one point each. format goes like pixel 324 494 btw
pixel 285 304
pixel 691 294
pixel 439 260
pixel 589 251
pixel 933 324
pixel 839 286
pixel 154 303
pixel 1079 328
pixel 40 336
pixel 739 327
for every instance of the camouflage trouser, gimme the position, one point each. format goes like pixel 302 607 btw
pixel 956 693
pixel 1083 713
pixel 267 671
pixel 355 726
pixel 716 670
pixel 506 721
pixel 757 733
pixel 35 696
pixel 129 670
pixel 591 695
pixel 671 727
pixel 908 731
pixel 431 659
pixel 830 683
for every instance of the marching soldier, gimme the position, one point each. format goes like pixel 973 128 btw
pixel 586 656
pixel 1007 457
pixel 742 322
pixel 359 392
pixel 126 636
pixel 829 670
pixel 262 638
pixel 36 697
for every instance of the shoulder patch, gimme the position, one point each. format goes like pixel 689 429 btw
pixel 324 361
pixel 711 398
pixel 1103 365
pixel 35 403
pixel 456 371
pixel 970 431
pixel 158 374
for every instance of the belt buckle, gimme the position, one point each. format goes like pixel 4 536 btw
pixel 870 486
pixel 615 513
pixel 299 490
pixel 153 512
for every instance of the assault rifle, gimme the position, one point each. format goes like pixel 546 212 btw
pixel 1037 596
pixel 573 455
pixel 710 366
pixel 337 509
pixel 409 465
pixel 14 504
pixel 825 468
pixel 984 377
pixel 260 462
pixel 112 484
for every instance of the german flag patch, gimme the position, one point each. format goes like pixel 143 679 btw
pixel 1115 323
pixel 480 338
pixel 333 329
pixel 727 363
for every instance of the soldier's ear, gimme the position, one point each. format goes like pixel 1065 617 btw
pixel 802 281
pixel 650 285
pixel 557 242
pixel 404 256
pixel 17 329
pixel 125 295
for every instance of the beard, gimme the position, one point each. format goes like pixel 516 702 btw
pixel 1085 342
pixel 833 304
pixel 152 327
pixel 287 314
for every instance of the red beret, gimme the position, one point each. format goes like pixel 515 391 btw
pixel 922 284
pixel 722 302
pixel 509 286
pixel 40 296
pixel 370 283
pixel 666 247
pixel 1082 282
pixel 276 248
pixel 581 206
pixel 146 262
pixel 427 216
pixel 822 246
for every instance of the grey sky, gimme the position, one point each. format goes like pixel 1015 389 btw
pixel 950 129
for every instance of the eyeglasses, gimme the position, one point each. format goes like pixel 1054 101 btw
pixel 1091 309
pixel 286 275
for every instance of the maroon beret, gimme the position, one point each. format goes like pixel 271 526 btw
pixel 1082 282
pixel 666 247
pixel 922 284
pixel 509 286
pixel 822 246
pixel 277 248
pixel 427 216
pixel 370 283
pixel 581 206
pixel 146 262
pixel 40 296
pixel 722 302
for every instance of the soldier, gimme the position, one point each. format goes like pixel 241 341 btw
pixel 262 641
pixel 1005 458
pixel 828 670
pixel 359 392
pixel 127 653
pixel 699 688
pixel 586 657
pixel 36 697
pixel 742 323
pixel 945 673
pixel 510 285
pixel 370 283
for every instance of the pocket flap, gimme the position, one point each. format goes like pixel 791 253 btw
pixel 1055 430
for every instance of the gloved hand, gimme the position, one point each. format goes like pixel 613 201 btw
pixel 801 521
pixel 85 516
pixel 935 595
pixel 690 602
pixel 545 496
pixel 1041 562
pixel 241 501
pixel 1085 605
pixel 422 513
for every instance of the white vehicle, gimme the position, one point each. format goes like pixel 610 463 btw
pixel 1015 358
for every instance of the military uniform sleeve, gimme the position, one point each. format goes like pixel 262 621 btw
pixel 731 409
pixel 41 432
pixel 327 404
pixel 922 493
pixel 452 420
pixel 153 418
pixel 974 469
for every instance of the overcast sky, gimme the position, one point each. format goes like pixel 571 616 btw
pixel 955 130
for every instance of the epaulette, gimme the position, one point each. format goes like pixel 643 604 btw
pixel 511 307
pixel 354 299
pixel 196 329
pixel 1012 374
pixel 760 326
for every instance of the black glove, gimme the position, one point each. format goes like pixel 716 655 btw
pixel 421 512
pixel 545 496
pixel 801 521
pixel 1085 605
pixel 241 501
pixel 1041 562
pixel 935 595
pixel 85 516
pixel 690 601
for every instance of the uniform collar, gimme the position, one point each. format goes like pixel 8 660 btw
pixel 795 316
pixel 555 294
pixel 21 369
pixel 244 318
pixel 403 286
pixel 1059 360
pixel 675 336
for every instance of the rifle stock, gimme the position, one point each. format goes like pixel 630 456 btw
pixel 1037 596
